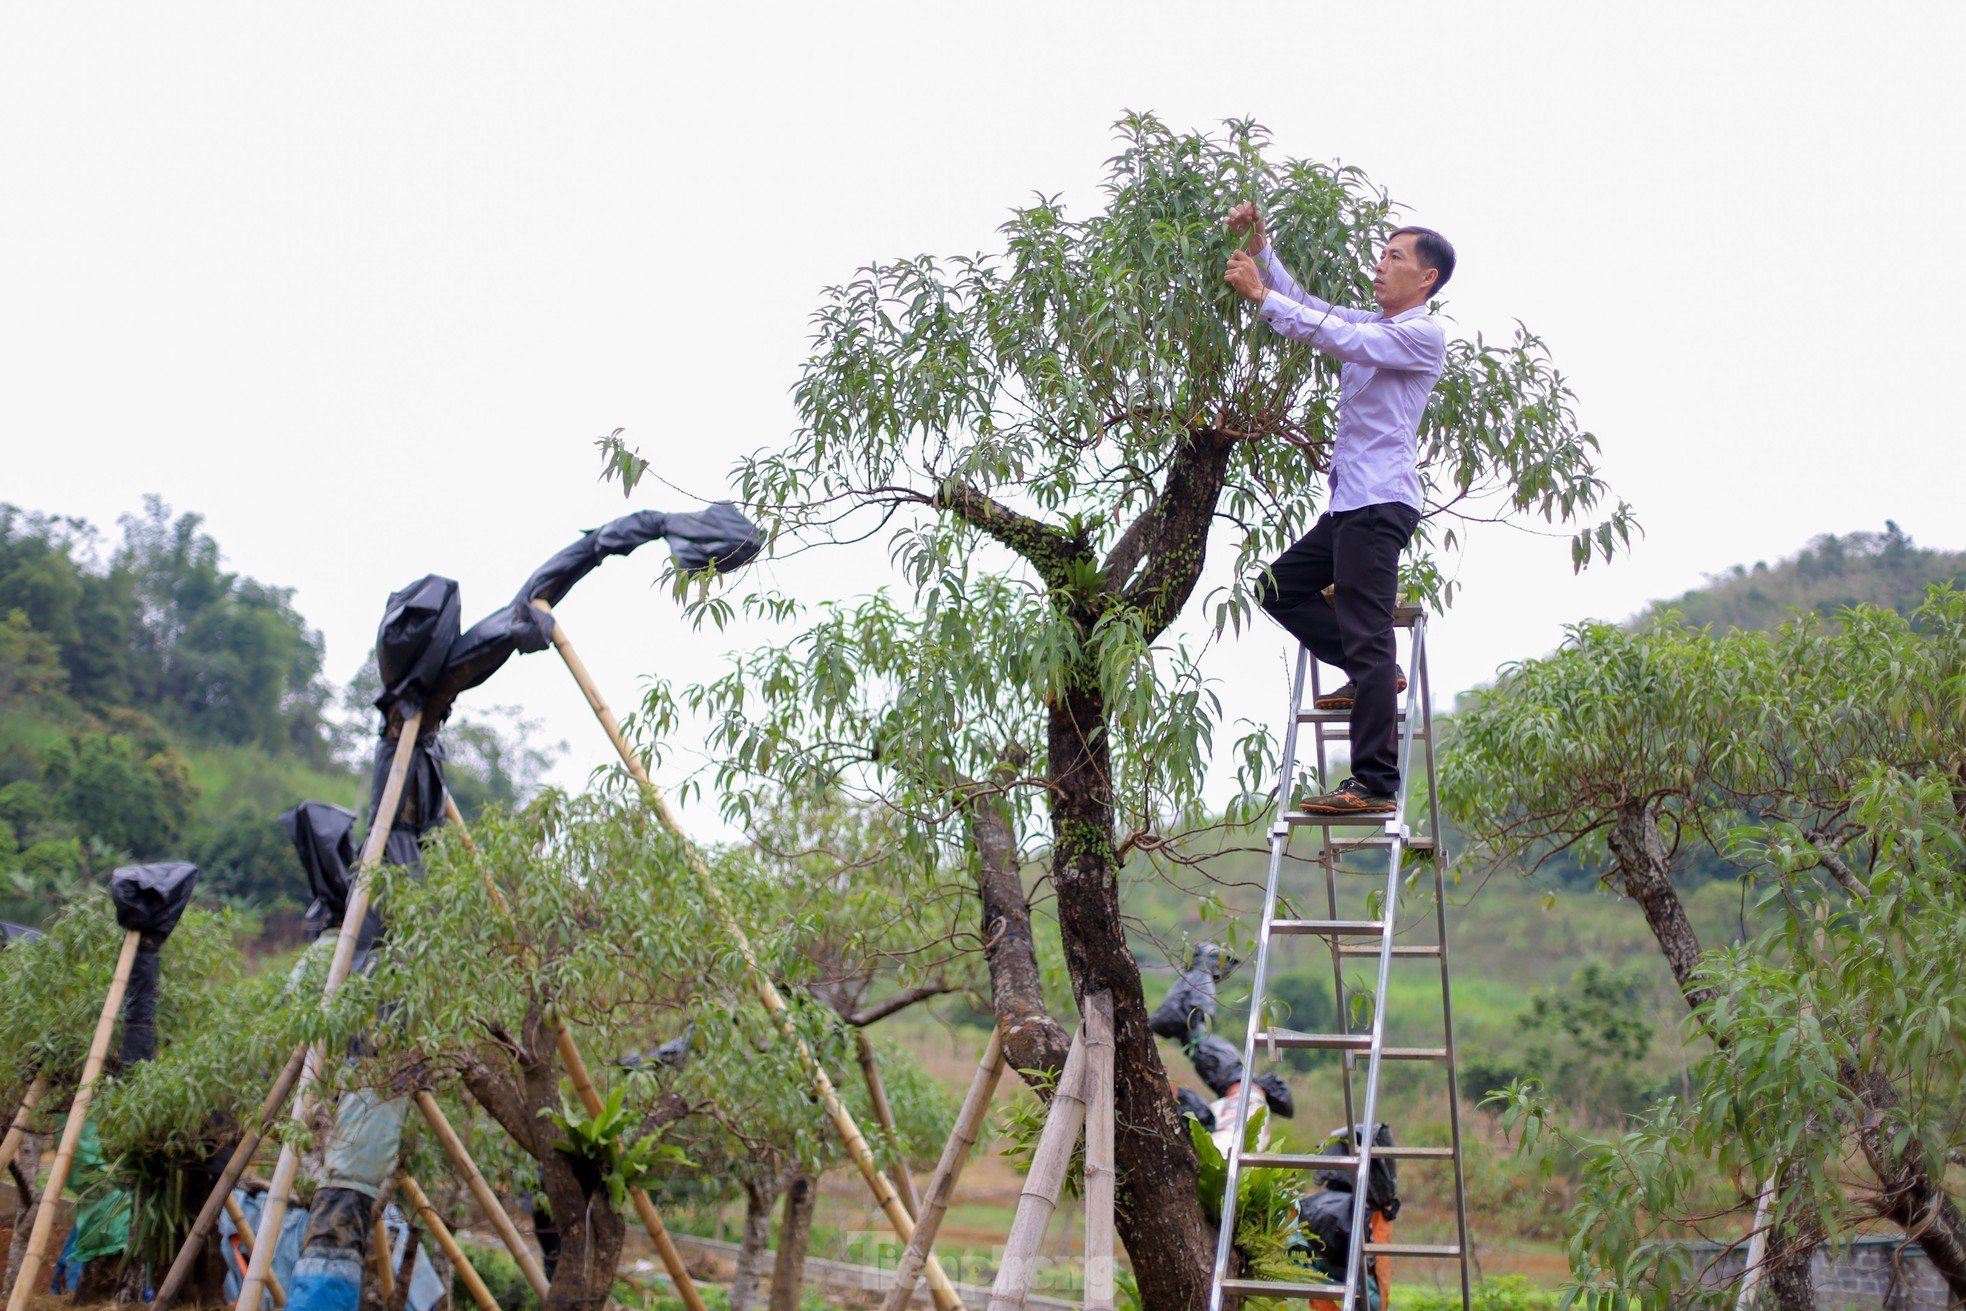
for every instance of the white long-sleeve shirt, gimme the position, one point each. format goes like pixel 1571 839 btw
pixel 1389 369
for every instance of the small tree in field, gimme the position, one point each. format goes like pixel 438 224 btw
pixel 1049 436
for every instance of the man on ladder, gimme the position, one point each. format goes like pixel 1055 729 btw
pixel 1391 361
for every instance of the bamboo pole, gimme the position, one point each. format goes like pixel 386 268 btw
pixel 590 1097
pixel 373 844
pixel 903 1181
pixel 1100 1177
pixel 380 1258
pixel 822 1085
pixel 1039 1196
pixel 235 1165
pixel 447 1242
pixel 71 1133
pixel 245 1232
pixel 942 1184
pixel 17 1131
pixel 508 1233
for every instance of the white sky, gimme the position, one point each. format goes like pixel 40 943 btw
pixel 362 282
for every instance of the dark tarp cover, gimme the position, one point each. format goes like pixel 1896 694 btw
pixel 717 537
pixel 149 900
pixel 1382 1193
pixel 1187 1014
pixel 10 932
pixel 324 838
pixel 422 805
pixel 414 642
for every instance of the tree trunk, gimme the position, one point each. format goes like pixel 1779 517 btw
pixel 26 1165
pixel 758 1196
pixel 788 1274
pixel 1160 1219
pixel 1032 1040
pixel 1641 856
pixel 1912 1195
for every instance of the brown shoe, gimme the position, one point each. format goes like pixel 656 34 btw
pixel 1342 698
pixel 1351 798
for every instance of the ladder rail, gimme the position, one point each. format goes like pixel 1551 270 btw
pixel 1279 841
pixel 1375 1054
pixel 1440 859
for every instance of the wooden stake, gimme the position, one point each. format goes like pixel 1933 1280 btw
pixel 10 1146
pixel 78 1113
pixel 379 1258
pixel 245 1232
pixel 1100 1176
pixel 877 1095
pixel 822 1085
pixel 1039 1196
pixel 508 1233
pixel 448 1243
pixel 665 1247
pixel 373 845
pixel 942 1184
pixel 228 1179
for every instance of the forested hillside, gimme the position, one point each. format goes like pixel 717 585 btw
pixel 154 705
pixel 1882 569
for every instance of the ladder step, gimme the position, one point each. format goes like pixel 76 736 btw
pixel 1339 846
pixel 1413 1053
pixel 1312 715
pixel 1413 1249
pixel 1299 1161
pixel 1415 1153
pixel 1278 1288
pixel 1367 949
pixel 1330 1042
pixel 1332 928
pixel 1303 817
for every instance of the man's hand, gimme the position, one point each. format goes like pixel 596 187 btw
pixel 1246 218
pixel 1245 277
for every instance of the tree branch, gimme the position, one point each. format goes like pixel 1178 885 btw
pixel 899 1002
pixel 1048 550
pixel 1174 541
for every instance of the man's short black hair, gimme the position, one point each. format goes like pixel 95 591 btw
pixel 1435 251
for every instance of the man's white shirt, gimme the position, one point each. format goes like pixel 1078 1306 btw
pixel 1389 367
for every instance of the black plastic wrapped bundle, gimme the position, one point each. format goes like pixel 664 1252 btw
pixel 324 838
pixel 149 901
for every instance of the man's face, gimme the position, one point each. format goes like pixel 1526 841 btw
pixel 1399 278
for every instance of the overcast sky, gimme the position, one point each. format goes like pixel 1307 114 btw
pixel 362 282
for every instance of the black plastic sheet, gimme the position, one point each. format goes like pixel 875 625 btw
pixel 324 838
pixel 414 642
pixel 1382 1187
pixel 149 901
pixel 11 933
pixel 150 898
pixel 1192 1104
pixel 421 807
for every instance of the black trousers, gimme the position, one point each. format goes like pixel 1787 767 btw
pixel 1359 551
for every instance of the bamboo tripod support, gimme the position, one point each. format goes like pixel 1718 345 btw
pixel 17 1131
pixel 822 1085
pixel 71 1133
pixel 870 1070
pixel 487 1200
pixel 590 1097
pixel 1101 1178
pixel 942 1184
pixel 1039 1196
pixel 373 844
pixel 245 1232
pixel 447 1243
pixel 381 1262
pixel 228 1179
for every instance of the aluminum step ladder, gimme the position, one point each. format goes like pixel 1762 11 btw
pixel 1369 937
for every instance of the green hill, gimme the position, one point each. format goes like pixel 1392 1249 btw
pixel 155 706
pixel 1881 569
